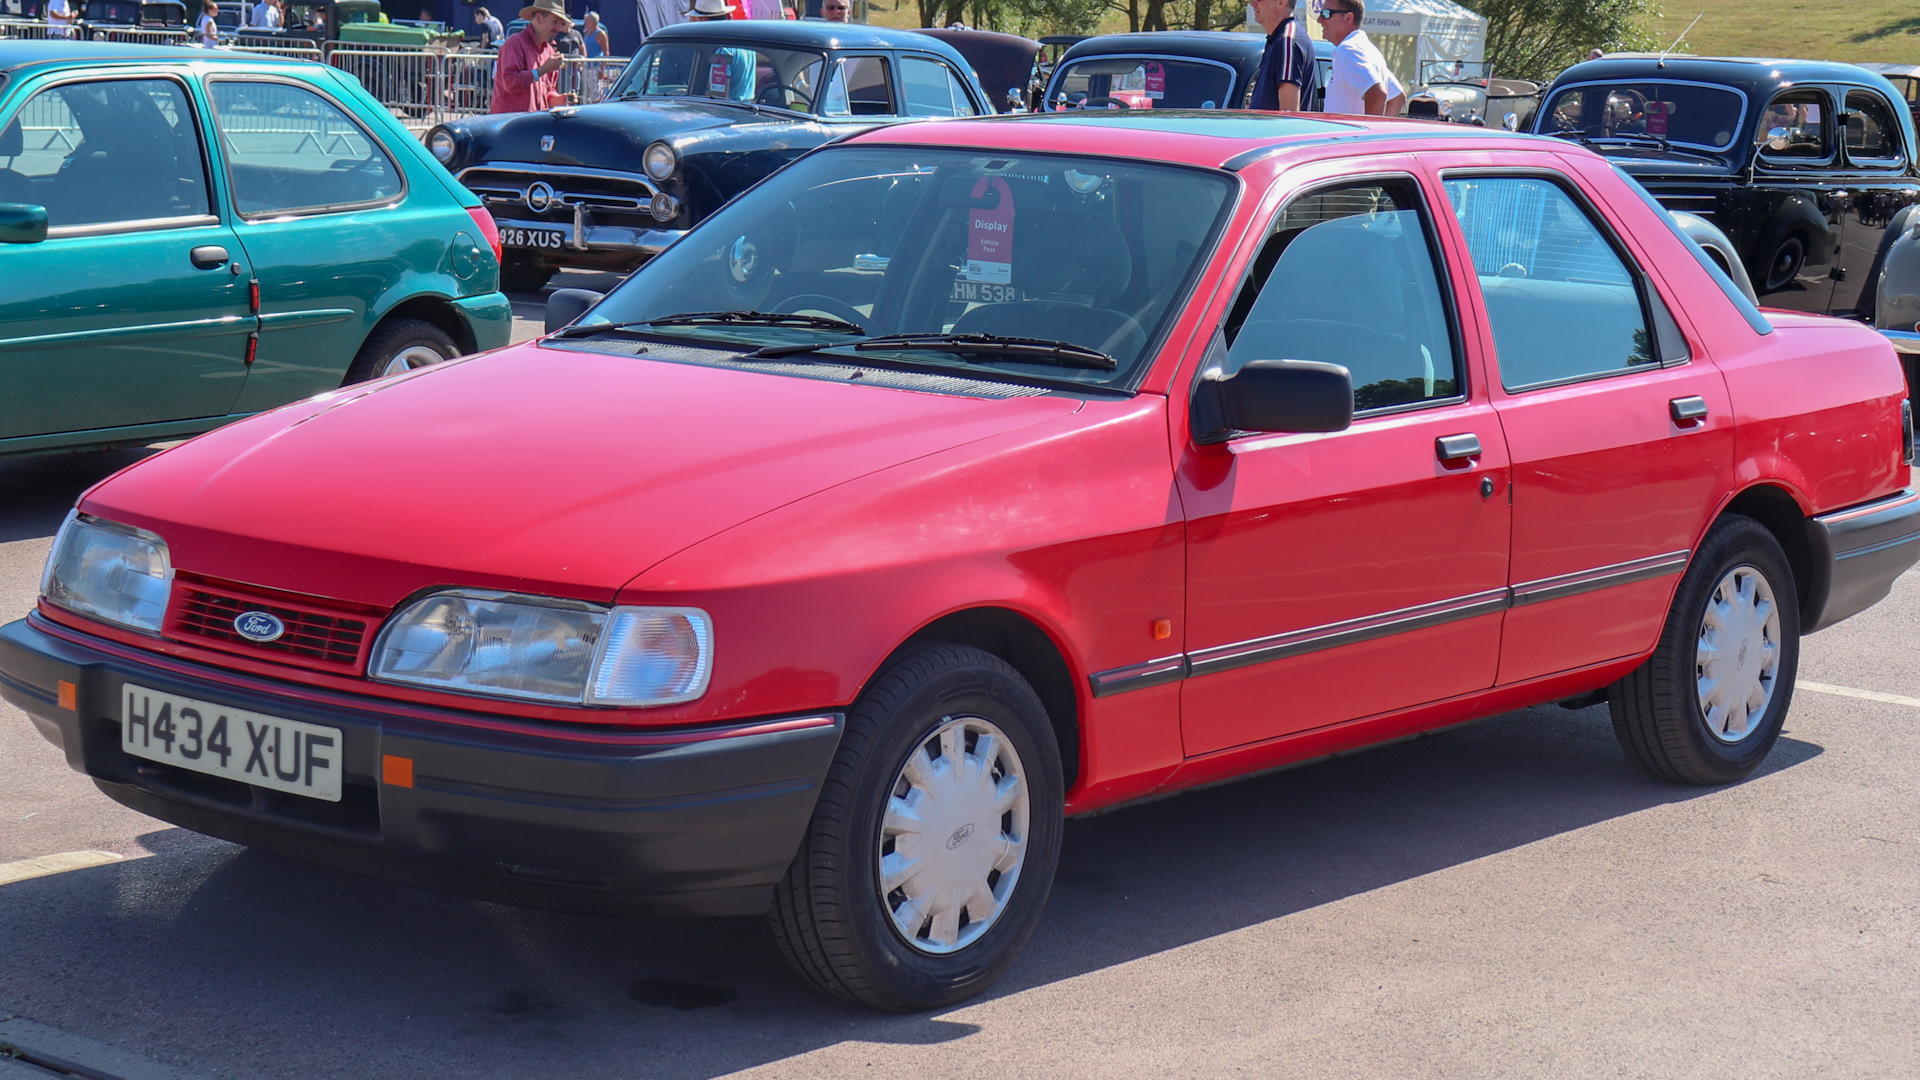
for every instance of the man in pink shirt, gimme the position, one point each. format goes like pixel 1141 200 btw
pixel 526 78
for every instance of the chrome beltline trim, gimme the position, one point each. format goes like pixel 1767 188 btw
pixel 1241 654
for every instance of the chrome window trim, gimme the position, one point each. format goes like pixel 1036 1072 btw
pixel 1739 125
pixel 1262 650
pixel 104 228
pixel 393 160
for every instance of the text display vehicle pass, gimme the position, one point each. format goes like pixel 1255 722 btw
pixel 720 75
pixel 1657 118
pixel 990 232
pixel 265 751
pixel 1156 80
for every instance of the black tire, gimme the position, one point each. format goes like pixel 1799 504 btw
pixel 395 338
pixel 829 916
pixel 523 273
pixel 1657 714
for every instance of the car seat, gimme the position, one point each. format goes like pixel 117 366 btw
pixel 1070 266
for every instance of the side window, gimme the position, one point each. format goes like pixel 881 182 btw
pixel 1562 304
pixel 1873 136
pixel 290 149
pixel 98 153
pixel 1796 126
pixel 1348 277
pixel 932 89
pixel 861 86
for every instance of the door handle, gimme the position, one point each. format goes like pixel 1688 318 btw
pixel 208 257
pixel 1688 409
pixel 1456 447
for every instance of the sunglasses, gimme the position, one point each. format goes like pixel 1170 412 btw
pixel 1330 12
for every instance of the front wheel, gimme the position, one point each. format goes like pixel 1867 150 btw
pixel 933 846
pixel 1708 705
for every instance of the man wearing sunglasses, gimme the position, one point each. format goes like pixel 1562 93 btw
pixel 1360 83
pixel 1288 75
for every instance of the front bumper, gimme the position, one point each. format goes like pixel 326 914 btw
pixel 595 246
pixel 1857 554
pixel 695 822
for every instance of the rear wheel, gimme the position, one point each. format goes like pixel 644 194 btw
pixel 1708 705
pixel 933 846
pixel 400 346
pixel 523 273
pixel 1788 259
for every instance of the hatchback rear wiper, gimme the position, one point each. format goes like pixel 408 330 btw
pixel 1036 350
pixel 759 318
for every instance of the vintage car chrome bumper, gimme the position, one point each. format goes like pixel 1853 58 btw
pixel 586 238
pixel 1857 554
pixel 1905 341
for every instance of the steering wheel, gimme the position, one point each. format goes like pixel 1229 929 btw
pixel 761 96
pixel 1104 103
pixel 823 303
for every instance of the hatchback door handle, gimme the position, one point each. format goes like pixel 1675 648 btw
pixel 1455 447
pixel 1686 410
pixel 209 257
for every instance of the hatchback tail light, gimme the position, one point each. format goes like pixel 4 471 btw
pixel 487 229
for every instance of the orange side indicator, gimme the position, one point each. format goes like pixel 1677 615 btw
pixel 1162 629
pixel 397 771
pixel 69 696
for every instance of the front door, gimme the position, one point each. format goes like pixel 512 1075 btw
pixel 1788 220
pixel 134 310
pixel 1880 183
pixel 1335 576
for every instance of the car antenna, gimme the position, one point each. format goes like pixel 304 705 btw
pixel 1676 41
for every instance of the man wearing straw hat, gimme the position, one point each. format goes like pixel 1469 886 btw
pixel 525 78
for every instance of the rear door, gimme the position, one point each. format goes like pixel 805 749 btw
pixel 134 310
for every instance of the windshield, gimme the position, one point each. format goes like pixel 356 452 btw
pixel 1089 253
pixel 1133 82
pixel 1440 71
pixel 1688 113
pixel 784 78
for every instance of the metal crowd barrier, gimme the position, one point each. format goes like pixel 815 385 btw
pixel 469 83
pixel 411 84
pixel 136 35
pixel 26 29
pixel 591 79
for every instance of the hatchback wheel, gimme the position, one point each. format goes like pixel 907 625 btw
pixel 400 346
pixel 1708 705
pixel 933 846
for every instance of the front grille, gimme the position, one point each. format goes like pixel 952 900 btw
pixel 313 637
pixel 508 187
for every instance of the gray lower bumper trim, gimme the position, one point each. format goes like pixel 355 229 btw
pixel 1857 554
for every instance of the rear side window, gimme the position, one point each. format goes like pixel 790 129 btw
pixel 289 150
pixel 933 89
pixel 104 152
pixel 1562 304
pixel 1873 136
pixel 861 86
pixel 1348 277
pixel 1796 126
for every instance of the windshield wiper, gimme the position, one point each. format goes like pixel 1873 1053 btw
pixel 590 329
pixel 1036 350
pixel 756 318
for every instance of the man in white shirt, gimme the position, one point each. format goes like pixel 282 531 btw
pixel 60 19
pixel 266 15
pixel 1360 83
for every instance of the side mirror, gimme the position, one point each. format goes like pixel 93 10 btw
pixel 1777 139
pixel 1277 396
pixel 566 305
pixel 22 223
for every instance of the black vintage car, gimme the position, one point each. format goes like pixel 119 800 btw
pixel 1804 165
pixel 1172 69
pixel 704 111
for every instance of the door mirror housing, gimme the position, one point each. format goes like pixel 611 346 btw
pixel 22 223
pixel 566 305
pixel 1290 396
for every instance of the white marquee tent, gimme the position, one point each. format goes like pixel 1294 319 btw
pixel 1413 33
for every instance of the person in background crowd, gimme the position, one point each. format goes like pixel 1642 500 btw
pixel 317 22
pixel 568 42
pixel 1288 74
pixel 595 36
pixel 1360 83
pixel 60 19
pixel 833 10
pixel 266 15
pixel 525 78
pixel 734 80
pixel 491 32
pixel 206 27
pixel 1595 54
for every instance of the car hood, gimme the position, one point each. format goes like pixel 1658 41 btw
pixel 1642 162
pixel 533 469
pixel 613 134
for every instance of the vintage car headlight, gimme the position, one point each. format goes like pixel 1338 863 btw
pixel 659 160
pixel 544 649
pixel 663 207
pixel 109 571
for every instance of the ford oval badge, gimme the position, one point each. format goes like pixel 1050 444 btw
pixel 258 626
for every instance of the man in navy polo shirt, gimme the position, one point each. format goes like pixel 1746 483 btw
pixel 1288 75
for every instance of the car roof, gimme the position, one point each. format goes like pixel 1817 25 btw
pixel 1210 138
pixel 1746 72
pixel 17 54
pixel 1233 48
pixel 802 34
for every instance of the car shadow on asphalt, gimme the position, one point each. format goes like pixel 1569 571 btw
pixel 39 490
pixel 172 955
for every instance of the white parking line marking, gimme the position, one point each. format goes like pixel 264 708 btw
pixel 54 864
pixel 1848 691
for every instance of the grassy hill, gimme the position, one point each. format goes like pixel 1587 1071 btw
pixel 1849 30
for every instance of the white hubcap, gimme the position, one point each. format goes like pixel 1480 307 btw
pixel 954 835
pixel 408 359
pixel 1738 654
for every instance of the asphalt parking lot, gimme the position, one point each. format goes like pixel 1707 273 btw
pixel 1506 899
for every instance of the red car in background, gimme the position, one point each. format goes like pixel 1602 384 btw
pixel 963 477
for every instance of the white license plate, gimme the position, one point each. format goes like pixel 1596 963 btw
pixel 544 239
pixel 266 751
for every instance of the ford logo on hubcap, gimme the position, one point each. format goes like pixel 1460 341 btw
pixel 959 836
pixel 258 626
pixel 539 196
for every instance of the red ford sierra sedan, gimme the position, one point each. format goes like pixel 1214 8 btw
pixel 960 478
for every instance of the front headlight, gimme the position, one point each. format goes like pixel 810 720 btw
pixel 543 649
pixel 109 571
pixel 441 144
pixel 659 160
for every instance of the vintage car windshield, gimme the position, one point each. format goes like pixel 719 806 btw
pixel 1137 82
pixel 755 74
pixel 1092 253
pixel 1693 114
pixel 1445 71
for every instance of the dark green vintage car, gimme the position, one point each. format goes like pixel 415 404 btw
pixel 187 237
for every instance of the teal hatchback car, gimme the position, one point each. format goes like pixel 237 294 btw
pixel 189 236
